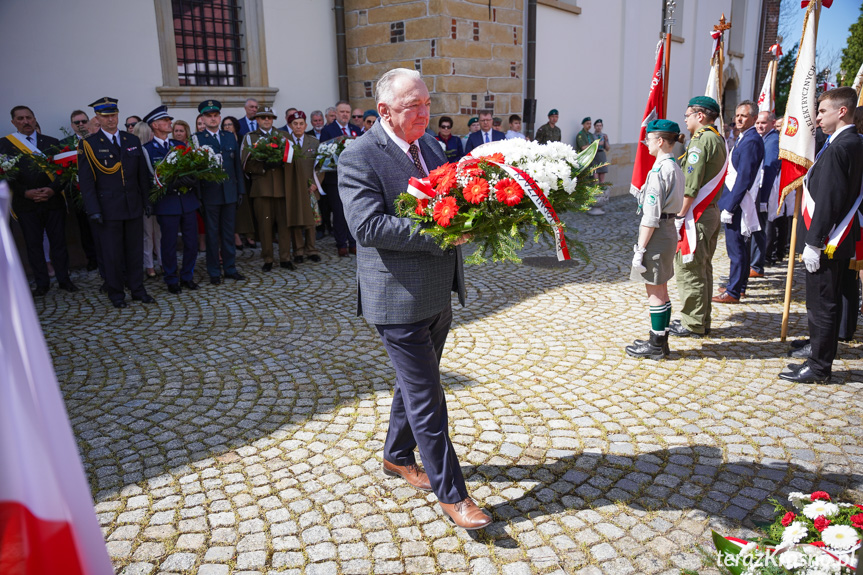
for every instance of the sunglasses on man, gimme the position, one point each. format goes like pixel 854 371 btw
pixel 79 122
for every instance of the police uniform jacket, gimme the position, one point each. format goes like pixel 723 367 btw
pixel 705 157
pixel 123 194
pixel 173 203
pixel 834 184
pixel 230 190
pixel 30 176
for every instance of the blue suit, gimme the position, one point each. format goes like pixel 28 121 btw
pixel 478 138
pixel 771 169
pixel 175 213
pixel 746 158
pixel 343 237
pixel 220 203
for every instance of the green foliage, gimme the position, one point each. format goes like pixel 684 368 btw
pixel 784 73
pixel 852 54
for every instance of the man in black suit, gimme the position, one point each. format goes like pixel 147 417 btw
pixel 248 123
pixel 115 186
pixel 317 120
pixel 832 194
pixel 485 134
pixel 37 201
pixel 341 126
pixel 79 122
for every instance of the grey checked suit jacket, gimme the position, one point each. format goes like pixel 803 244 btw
pixel 402 275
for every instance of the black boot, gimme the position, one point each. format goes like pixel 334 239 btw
pixel 654 348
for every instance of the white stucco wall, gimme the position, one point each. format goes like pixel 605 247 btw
pixel 56 59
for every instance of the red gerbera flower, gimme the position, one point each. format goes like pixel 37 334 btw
pixel 473 172
pixel 274 145
pixel 475 191
pixel 440 172
pixel 498 157
pixel 421 207
pixel 821 523
pixel 787 519
pixel 445 210
pixel 509 192
pixel 857 520
pixel 820 495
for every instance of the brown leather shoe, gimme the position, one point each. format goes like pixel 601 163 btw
pixel 742 294
pixel 410 473
pixel 466 514
pixel 725 297
pixel 343 252
pixel 755 274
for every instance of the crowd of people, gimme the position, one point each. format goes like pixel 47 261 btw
pixel 735 184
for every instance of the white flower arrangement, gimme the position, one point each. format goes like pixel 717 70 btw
pixel 820 508
pixel 839 537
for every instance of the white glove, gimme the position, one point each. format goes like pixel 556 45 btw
pixel 636 259
pixel 811 258
pixel 726 217
pixel 678 224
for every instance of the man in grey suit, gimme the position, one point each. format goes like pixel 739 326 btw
pixel 404 283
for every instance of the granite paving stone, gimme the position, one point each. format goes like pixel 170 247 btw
pixel 239 428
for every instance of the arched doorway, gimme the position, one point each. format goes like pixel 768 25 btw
pixel 730 94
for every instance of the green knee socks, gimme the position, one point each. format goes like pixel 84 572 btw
pixel 660 318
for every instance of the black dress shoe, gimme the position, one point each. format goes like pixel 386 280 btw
pixel 146 298
pixel 676 329
pixel 235 276
pixel 267 267
pixel 68 286
pixel 120 304
pixel 215 280
pixel 40 291
pixel 315 258
pixel 174 288
pixel 804 375
pixel 298 259
pixel 286 265
pixel 189 284
pixel 801 352
pixel 92 265
pixel 798 343
pixel 239 247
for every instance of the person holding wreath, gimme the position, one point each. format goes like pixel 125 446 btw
pixel 659 200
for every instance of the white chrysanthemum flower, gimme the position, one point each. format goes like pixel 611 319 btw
pixel 798 499
pixel 819 508
pixel 792 560
pixel 748 548
pixel 840 536
pixel 794 533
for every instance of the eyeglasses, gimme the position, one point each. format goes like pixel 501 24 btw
pixel 685 116
pixel 357 116
pixel 646 141
pixel 79 122
pixel 445 127
pixel 132 125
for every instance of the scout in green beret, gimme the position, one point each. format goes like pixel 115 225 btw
pixel 659 200
pixel 549 132
pixel 703 161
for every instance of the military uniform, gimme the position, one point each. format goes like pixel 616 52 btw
pixel 583 139
pixel 705 158
pixel 548 133
pixel 115 185
pixel 301 216
pixel 268 192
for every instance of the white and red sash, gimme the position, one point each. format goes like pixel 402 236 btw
pixel 838 232
pixel 687 241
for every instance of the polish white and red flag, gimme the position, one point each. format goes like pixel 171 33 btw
pixel 797 138
pixel 47 522
pixel 643 160
pixel 712 89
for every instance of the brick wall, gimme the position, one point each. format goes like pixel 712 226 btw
pixel 771 30
pixel 470 52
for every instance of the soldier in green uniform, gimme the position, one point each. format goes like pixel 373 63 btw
pixel 549 132
pixel 584 138
pixel 705 159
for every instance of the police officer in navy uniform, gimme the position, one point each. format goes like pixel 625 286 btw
pixel 220 199
pixel 115 186
pixel 175 210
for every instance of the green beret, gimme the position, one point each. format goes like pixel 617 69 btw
pixel 472 121
pixel 587 119
pixel 663 126
pixel 705 102
pixel 553 112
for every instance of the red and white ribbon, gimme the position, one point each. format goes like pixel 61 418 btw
pixel 66 158
pixel 687 241
pixel 421 189
pixel 289 152
pixel 839 231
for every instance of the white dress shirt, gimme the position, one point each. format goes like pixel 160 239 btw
pixel 405 146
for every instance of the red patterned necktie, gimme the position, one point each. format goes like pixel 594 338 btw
pixel 415 154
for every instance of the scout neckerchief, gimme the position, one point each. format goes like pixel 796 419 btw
pixel 28 149
pixel 686 244
pixel 839 231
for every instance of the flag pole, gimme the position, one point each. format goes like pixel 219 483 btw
pixel 669 24
pixel 720 89
pixel 798 200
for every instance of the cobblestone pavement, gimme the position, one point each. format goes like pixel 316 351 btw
pixel 239 429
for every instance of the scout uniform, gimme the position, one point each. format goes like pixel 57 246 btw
pixel 704 160
pixel 548 133
pixel 268 190
pixel 584 138
pixel 115 187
